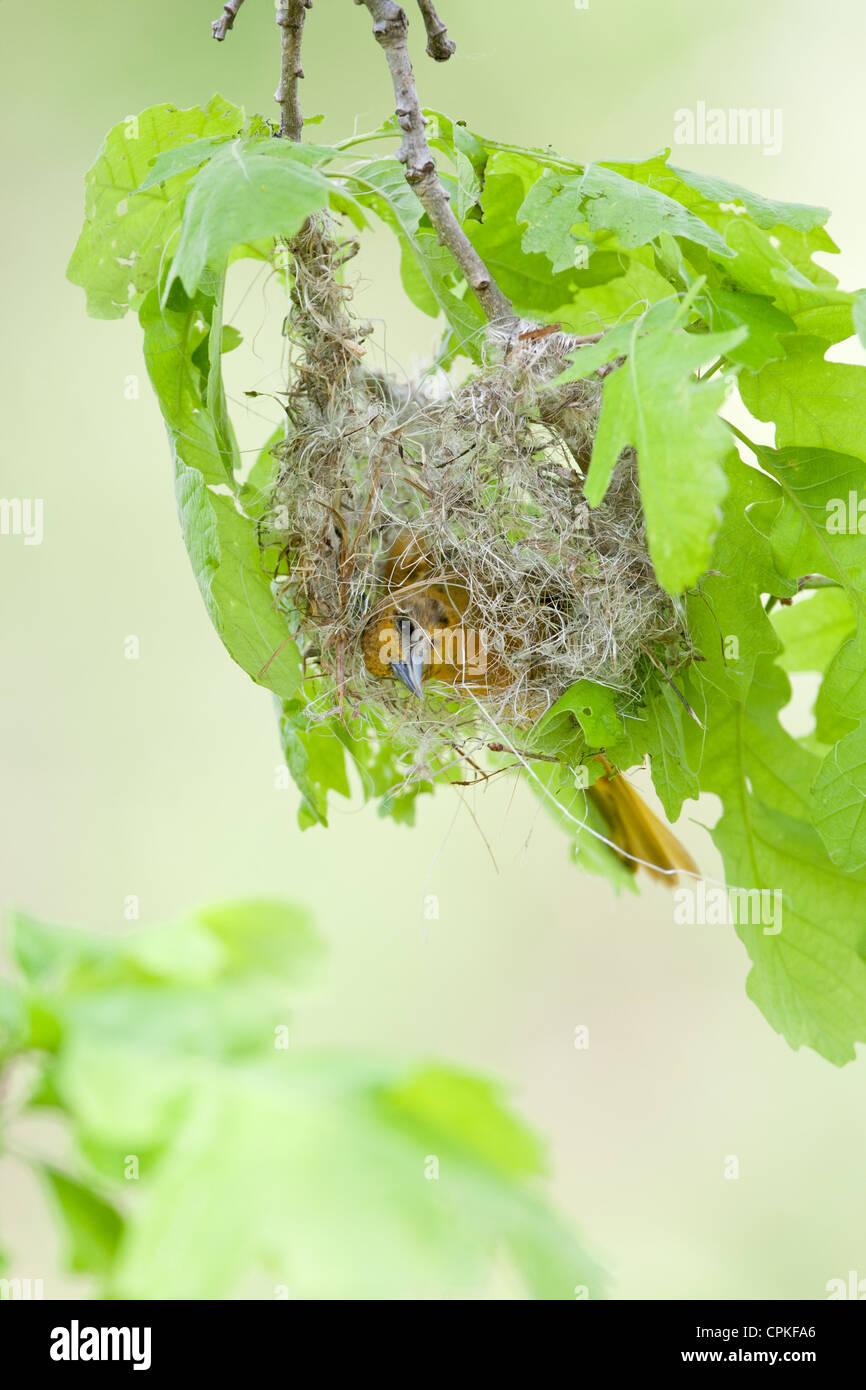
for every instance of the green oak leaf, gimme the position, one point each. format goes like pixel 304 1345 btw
pixel 728 626
pixel 813 629
pixel 840 801
pixel 724 310
pixel 316 758
pixel 634 212
pixel 550 210
pixel 654 404
pixel 248 189
pixel 119 254
pixel 743 548
pixel 761 267
pixel 813 403
pixel 668 742
pixel 591 706
pixel 842 698
pixel 767 213
pixel 525 277
pixel 222 546
pixel 817 487
pixel 809 978
pixel 797 229
pixel 180 159
pixel 220 538
pixel 178 341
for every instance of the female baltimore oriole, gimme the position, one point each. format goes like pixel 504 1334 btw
pixel 420 631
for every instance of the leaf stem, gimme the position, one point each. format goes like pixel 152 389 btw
pixel 743 438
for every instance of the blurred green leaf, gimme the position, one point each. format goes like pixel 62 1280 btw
pixel 93 1226
pixel 45 953
pixel 305 1166
pixel 469 1115
pixel 13 1019
pixel 340 1176
pixel 261 936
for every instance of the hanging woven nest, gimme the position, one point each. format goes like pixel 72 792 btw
pixel 395 500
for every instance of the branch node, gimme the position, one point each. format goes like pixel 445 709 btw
pixel 439 46
pixel 220 27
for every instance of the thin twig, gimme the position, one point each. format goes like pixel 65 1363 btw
pixel 226 21
pixel 390 29
pixel 439 46
pixel 523 753
pixel 290 17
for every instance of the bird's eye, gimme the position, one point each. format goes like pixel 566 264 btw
pixel 404 628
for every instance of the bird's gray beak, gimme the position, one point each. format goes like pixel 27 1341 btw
pixel 410 668
pixel 410 672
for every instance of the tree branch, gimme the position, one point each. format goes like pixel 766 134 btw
pixel 439 46
pixel 390 28
pixel 226 20
pixel 290 17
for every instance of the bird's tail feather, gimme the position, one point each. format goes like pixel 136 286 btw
pixel 637 832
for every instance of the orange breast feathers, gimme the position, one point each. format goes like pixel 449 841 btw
pixel 422 630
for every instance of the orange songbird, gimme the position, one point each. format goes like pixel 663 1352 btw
pixel 419 632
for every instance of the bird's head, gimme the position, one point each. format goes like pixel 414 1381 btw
pixel 400 642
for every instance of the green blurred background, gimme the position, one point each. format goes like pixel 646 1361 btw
pixel 156 777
